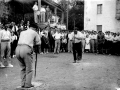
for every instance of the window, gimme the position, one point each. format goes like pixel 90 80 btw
pixel 99 28
pixel 99 9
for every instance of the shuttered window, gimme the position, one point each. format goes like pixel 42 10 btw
pixel 99 9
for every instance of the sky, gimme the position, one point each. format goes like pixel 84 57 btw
pixel 56 1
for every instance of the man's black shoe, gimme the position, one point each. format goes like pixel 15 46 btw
pixel 22 86
pixel 29 86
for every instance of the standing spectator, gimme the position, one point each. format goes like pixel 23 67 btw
pixel 95 41
pixel 92 43
pixel 46 43
pixel 101 40
pixel 42 12
pixel 57 37
pixel 115 40
pixel 118 44
pixel 14 28
pixel 87 44
pixel 1 60
pixel 47 13
pixel 43 43
pixel 64 43
pixel 13 44
pixel 5 45
pixel 51 40
pixel 35 9
pixel 109 42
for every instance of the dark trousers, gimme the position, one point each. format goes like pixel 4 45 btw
pixel 118 48
pixel 52 45
pixel 92 43
pixel 109 49
pixel 95 45
pixel 100 47
pixel 77 51
pixel 64 47
pixel 13 47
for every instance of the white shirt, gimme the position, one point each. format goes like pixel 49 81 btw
pixel 42 10
pixel 109 37
pixel 78 35
pixel 35 7
pixel 29 37
pixel 87 40
pixel 5 35
pixel 14 27
pixel 69 36
pixel 13 38
pixel 57 35
pixel 95 36
pixel 0 34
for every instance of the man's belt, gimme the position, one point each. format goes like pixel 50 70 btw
pixel 24 45
pixel 57 39
pixel 5 40
pixel 76 42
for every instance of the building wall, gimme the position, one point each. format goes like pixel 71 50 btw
pixel 106 19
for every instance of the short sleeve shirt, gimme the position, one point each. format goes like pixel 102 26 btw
pixel 29 37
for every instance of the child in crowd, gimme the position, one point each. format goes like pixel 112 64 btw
pixel 87 44
pixel 13 44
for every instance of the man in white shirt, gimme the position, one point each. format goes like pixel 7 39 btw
pixel 77 37
pixel 1 64
pixel 35 9
pixel 24 50
pixel 5 45
pixel 109 39
pixel 42 12
pixel 57 36
pixel 14 27
pixel 92 42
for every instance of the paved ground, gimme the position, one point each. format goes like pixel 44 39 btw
pixel 57 72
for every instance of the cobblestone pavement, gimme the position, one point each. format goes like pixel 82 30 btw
pixel 57 72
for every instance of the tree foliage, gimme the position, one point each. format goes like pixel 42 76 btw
pixel 76 13
pixel 5 10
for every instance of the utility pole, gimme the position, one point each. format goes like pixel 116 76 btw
pixel 74 24
pixel 39 7
pixel 67 13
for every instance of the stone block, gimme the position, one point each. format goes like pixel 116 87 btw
pixel 37 86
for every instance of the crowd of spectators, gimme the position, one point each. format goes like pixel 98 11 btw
pixel 54 40
pixel 92 42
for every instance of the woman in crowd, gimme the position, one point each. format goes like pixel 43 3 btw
pixel 87 44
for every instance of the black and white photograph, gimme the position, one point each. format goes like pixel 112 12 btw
pixel 59 44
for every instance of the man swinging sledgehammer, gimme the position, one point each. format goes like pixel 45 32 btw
pixel 24 51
